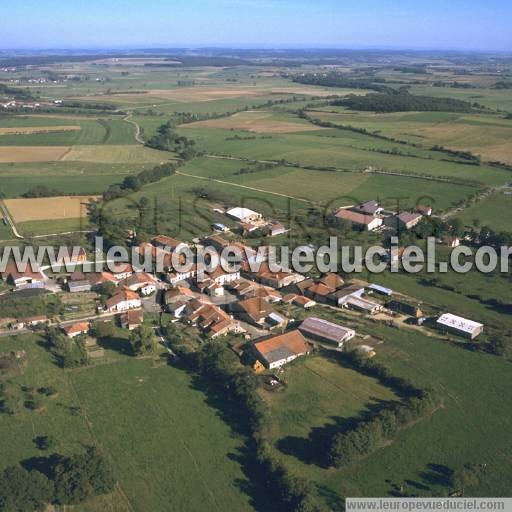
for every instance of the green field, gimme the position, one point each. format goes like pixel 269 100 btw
pixel 92 131
pixel 168 448
pixel 466 429
pixel 490 212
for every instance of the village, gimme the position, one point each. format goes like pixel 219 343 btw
pixel 271 317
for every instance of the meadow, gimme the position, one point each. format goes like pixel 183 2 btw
pixel 168 449
pixel 490 212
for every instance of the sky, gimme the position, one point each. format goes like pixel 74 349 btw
pixel 400 24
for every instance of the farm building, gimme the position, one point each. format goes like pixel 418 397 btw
pixel 280 350
pixel 31 277
pixel 452 241
pixel 140 282
pixel 404 308
pixel 220 227
pixel 461 326
pixel 32 321
pixel 366 222
pixel 244 215
pixel 368 208
pixel 278 279
pixel 424 210
pixel 381 289
pixel 364 305
pixel 277 229
pixel 211 319
pixel 79 286
pixel 341 296
pixel 407 220
pixel 303 302
pixel 322 330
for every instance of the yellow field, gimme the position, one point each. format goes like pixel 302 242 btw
pixel 48 208
pixel 25 130
pixel 32 153
pixel 255 121
pixel 116 154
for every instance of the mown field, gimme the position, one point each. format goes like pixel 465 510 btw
pixel 168 449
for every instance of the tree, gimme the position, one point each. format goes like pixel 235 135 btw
pixel 24 491
pixel 81 477
pixel 44 442
pixel 142 340
pixel 498 346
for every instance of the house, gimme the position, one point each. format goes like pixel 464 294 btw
pixel 254 310
pixel 451 241
pixel 77 275
pixel 167 243
pixel 242 288
pixel 123 301
pixel 177 308
pixel 424 210
pixel 278 279
pixel 266 293
pixel 303 302
pixel 179 294
pixel 76 329
pixel 319 292
pixel 244 215
pixel 31 321
pixel 79 286
pixel 365 222
pixel 98 278
pixel 461 326
pixel 369 208
pixel 364 305
pixel 132 319
pixel 222 277
pixel 211 319
pixel 404 308
pixel 302 286
pixel 322 330
pixel 279 350
pixel 407 220
pixel 341 296
pixel 140 282
pixel 122 271
pixel 31 277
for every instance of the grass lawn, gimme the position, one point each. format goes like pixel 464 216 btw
pixel 168 448
pixel 46 227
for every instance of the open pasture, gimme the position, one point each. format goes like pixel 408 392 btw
pixel 131 154
pixel 46 208
pixel 491 211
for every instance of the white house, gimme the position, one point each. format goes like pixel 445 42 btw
pixel 123 301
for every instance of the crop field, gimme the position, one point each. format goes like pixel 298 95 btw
pixel 116 154
pixel 37 129
pixel 485 135
pixel 32 153
pixel 122 408
pixel 91 131
pixel 258 122
pixel 45 208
